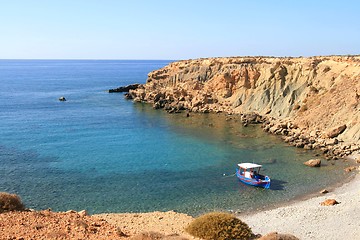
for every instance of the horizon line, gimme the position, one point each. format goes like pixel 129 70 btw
pixel 181 59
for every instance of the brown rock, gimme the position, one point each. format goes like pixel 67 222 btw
pixel 278 236
pixel 324 191
pixel 336 131
pixel 313 163
pixel 329 202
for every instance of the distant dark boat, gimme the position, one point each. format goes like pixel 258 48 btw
pixel 249 173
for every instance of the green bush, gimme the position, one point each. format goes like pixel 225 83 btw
pixel 10 202
pixel 221 226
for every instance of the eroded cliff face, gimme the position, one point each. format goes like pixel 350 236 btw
pixel 317 93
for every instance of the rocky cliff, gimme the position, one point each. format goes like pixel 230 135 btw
pixel 317 94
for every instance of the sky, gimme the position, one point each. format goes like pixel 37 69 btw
pixel 172 29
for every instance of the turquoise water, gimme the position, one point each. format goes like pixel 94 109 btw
pixel 102 153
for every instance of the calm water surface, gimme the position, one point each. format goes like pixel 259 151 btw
pixel 102 153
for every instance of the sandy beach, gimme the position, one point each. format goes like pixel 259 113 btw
pixel 309 220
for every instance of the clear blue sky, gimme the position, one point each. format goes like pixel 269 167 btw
pixel 170 29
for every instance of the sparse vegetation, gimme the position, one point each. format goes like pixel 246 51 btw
pixel 219 226
pixel 10 202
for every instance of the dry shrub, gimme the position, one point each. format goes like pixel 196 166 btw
pixel 10 202
pixel 219 226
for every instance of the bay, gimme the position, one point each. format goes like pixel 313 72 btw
pixel 100 152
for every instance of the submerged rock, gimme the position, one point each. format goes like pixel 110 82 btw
pixel 350 169
pixel 313 163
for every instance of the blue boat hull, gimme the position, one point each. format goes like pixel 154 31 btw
pixel 257 182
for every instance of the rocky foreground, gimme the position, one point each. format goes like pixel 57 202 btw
pixel 313 102
pixel 23 225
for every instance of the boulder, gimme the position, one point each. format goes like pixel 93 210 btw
pixel 299 144
pixel 251 118
pixel 329 202
pixel 336 131
pixel 62 99
pixel 313 163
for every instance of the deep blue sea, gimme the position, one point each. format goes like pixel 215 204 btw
pixel 100 152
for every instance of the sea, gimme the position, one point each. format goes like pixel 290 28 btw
pixel 100 152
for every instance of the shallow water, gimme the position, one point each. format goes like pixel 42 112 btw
pixel 102 153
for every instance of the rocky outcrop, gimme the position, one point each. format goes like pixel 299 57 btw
pixel 125 88
pixel 313 102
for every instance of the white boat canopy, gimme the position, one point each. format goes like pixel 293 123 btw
pixel 249 165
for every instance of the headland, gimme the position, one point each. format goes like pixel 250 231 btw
pixel 313 102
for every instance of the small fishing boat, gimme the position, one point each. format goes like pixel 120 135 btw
pixel 249 173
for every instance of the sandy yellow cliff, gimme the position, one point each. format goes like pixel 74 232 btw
pixel 316 94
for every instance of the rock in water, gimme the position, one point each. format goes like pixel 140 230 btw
pixel 324 191
pixel 62 99
pixel 313 163
pixel 125 88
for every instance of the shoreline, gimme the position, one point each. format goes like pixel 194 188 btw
pixel 307 219
pixel 304 218
pixel 348 178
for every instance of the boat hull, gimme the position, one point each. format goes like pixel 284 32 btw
pixel 257 182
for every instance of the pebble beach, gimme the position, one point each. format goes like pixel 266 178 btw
pixel 309 220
